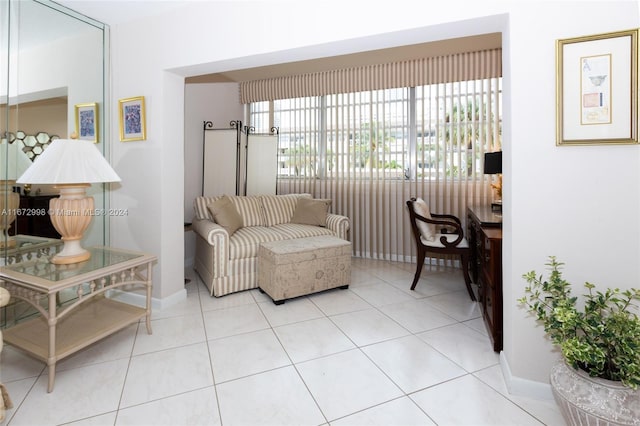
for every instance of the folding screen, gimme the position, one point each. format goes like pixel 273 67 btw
pixel 262 163
pixel 237 161
pixel 221 160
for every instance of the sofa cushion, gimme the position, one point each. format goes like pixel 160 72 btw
pixel 246 241
pixel 311 212
pixel 225 214
pixel 295 230
pixel 250 209
pixel 279 208
pixel 200 207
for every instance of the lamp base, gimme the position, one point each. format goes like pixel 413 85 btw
pixel 72 252
pixel 68 260
pixel 71 215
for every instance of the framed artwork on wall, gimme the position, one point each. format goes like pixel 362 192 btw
pixel 132 119
pixel 87 121
pixel 597 89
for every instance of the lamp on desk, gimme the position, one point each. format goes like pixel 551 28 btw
pixel 71 165
pixel 493 166
pixel 13 162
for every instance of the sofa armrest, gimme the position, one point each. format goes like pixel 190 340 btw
pixel 212 247
pixel 339 224
pixel 210 231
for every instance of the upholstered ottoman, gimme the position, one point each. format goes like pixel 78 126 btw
pixel 292 268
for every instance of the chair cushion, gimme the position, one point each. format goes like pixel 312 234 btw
pixel 225 214
pixel 311 212
pixel 427 230
pixel 450 238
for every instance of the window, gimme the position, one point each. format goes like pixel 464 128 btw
pixel 438 131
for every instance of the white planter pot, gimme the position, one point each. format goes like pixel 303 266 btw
pixel 586 400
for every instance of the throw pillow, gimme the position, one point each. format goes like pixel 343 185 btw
pixel 225 214
pixel 427 230
pixel 310 211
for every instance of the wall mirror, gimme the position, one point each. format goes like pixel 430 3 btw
pixel 56 59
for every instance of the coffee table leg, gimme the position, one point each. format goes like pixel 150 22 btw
pixel 52 320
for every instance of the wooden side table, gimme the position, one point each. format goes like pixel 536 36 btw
pixel 84 320
pixel 485 240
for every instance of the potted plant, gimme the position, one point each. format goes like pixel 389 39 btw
pixel 599 337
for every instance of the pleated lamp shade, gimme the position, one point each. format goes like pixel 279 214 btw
pixel 68 161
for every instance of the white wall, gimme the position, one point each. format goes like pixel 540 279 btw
pixel 556 199
pixel 579 203
pixel 215 102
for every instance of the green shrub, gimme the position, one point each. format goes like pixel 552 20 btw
pixel 602 339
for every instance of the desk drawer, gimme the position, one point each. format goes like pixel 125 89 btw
pixel 488 303
pixel 491 256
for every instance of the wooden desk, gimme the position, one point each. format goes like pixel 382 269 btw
pixel 90 316
pixel 484 230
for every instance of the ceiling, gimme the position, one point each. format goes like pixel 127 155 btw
pixel 113 12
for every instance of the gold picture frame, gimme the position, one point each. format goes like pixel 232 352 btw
pixel 597 89
pixel 86 117
pixel 132 119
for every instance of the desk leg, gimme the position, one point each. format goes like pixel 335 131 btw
pixel 149 283
pixel 52 320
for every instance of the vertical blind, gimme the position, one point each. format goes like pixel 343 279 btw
pixel 371 150
pixel 411 73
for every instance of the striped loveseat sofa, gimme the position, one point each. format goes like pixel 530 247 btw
pixel 228 264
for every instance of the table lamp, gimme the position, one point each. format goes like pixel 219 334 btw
pixel 493 166
pixel 71 165
pixel 12 163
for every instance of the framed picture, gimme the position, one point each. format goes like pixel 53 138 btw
pixel 132 119
pixel 87 121
pixel 597 89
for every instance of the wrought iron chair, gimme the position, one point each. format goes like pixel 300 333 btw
pixel 440 234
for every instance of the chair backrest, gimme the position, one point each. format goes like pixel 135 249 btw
pixel 422 233
pixel 414 221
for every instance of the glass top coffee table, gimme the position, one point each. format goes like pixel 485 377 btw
pixel 29 247
pixel 89 317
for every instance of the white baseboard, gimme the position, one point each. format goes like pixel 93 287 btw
pixel 524 387
pixel 137 299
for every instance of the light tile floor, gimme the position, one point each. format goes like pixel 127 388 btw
pixel 375 354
